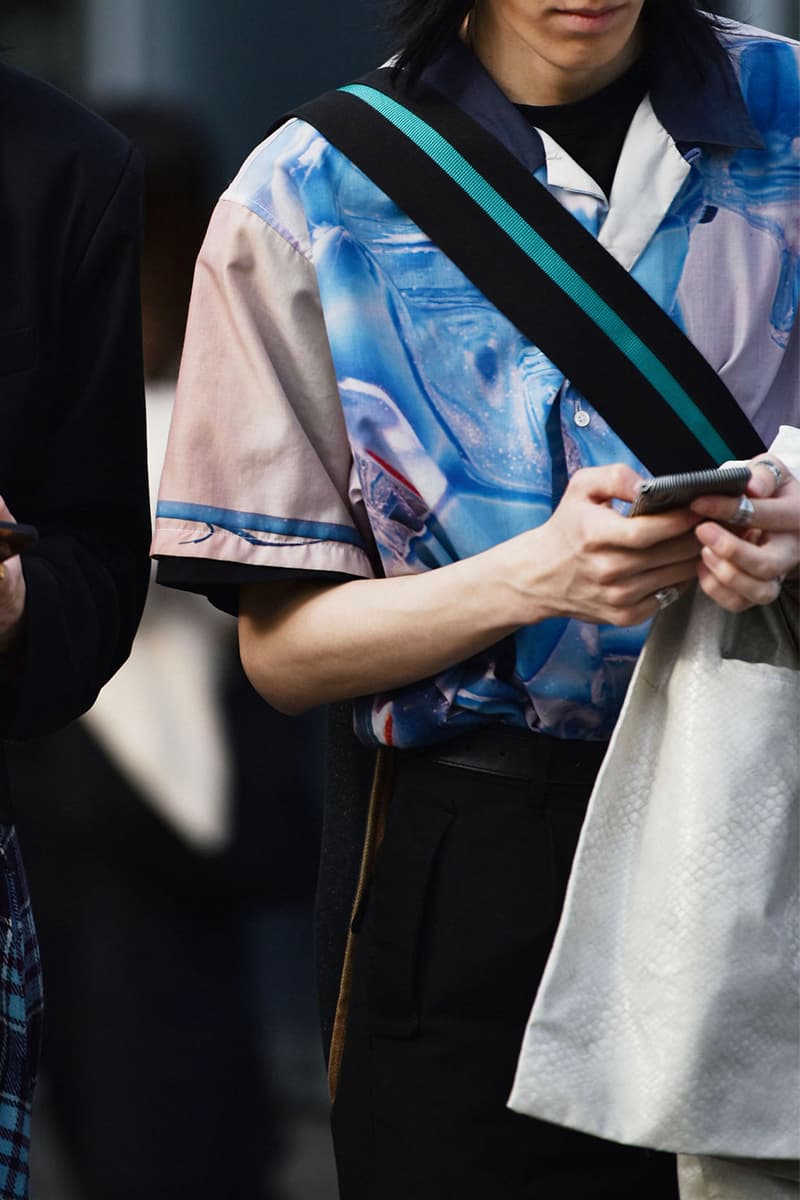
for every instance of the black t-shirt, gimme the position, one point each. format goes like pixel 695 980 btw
pixel 593 129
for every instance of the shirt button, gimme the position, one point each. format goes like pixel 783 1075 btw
pixel 581 417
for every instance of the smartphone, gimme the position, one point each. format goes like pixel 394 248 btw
pixel 14 538
pixel 676 491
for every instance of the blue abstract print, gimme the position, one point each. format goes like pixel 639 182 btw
pixel 464 434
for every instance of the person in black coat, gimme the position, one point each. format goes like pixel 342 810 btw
pixel 72 464
pixel 157 849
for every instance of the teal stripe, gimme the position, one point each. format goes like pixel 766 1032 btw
pixel 550 261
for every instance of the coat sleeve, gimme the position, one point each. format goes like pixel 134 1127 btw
pixel 85 486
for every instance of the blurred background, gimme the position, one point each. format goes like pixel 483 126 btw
pixel 182 1056
pixel 171 836
pixel 238 64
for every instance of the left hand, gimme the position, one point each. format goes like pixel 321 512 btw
pixel 12 591
pixel 744 566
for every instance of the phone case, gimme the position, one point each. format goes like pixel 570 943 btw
pixel 674 491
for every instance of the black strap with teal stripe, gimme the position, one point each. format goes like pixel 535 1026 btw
pixel 539 267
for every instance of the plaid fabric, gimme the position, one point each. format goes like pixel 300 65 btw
pixel 20 1018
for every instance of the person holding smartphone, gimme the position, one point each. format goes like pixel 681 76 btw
pixel 72 472
pixel 412 507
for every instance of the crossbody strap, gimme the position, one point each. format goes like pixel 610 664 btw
pixel 539 267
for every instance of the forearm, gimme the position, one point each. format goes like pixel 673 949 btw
pixel 304 644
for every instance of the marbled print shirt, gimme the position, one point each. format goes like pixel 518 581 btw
pixel 350 403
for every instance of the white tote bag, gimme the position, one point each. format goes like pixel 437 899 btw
pixel 668 1015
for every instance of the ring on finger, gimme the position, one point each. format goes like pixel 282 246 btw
pixel 666 596
pixel 744 512
pixel 773 466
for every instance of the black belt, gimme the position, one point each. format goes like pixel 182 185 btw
pixel 515 754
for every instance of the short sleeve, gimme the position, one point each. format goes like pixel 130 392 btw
pixel 258 478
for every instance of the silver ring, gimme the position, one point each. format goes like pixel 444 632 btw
pixel 744 513
pixel 666 596
pixel 773 466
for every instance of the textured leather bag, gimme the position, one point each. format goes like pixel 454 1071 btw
pixel 669 1013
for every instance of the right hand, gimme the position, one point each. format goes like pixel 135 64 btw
pixel 12 590
pixel 591 563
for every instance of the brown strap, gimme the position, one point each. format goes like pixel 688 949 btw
pixel 376 824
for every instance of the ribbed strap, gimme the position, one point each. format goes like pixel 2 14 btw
pixel 541 268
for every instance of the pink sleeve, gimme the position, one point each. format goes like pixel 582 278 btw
pixel 258 467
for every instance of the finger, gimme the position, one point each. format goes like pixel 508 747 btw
pixel 611 566
pixel 669 553
pixel 726 597
pixel 5 512
pixel 739 511
pixel 645 607
pixel 772 514
pixel 733 588
pixel 601 484
pixel 646 531
pixel 640 588
pixel 763 560
pixel 769 474
pixel 734 582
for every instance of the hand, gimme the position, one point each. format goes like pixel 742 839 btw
pixel 595 565
pixel 12 591
pixel 742 567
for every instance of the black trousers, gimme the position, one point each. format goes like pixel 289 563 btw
pixel 454 936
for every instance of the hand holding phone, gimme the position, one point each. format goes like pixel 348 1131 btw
pixel 677 491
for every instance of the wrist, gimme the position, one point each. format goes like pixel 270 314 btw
pixel 515 576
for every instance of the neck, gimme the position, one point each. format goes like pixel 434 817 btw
pixel 528 76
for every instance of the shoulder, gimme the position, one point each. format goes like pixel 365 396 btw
pixel 768 70
pixel 296 179
pixel 33 113
pixel 740 32
pixel 279 179
pixel 57 154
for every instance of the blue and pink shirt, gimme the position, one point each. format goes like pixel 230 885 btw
pixel 350 404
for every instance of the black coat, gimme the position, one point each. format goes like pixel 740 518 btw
pixel 72 447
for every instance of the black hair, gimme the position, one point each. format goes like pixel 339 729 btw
pixel 422 28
